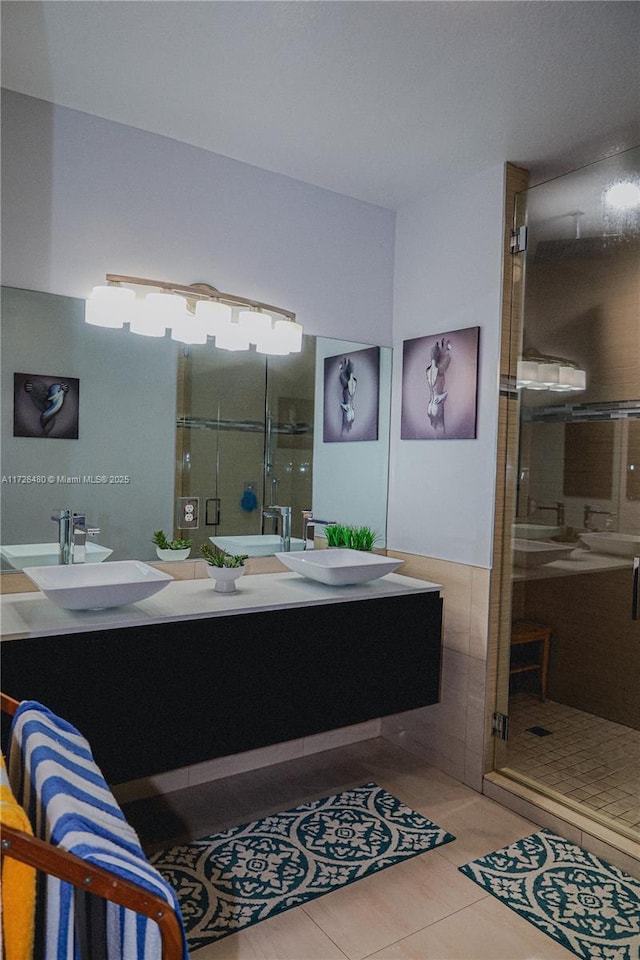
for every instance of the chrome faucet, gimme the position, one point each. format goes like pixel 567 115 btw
pixel 72 535
pixel 589 512
pixel 283 516
pixel 557 507
pixel 309 527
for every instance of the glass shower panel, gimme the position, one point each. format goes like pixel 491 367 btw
pixel 289 434
pixel 220 439
pixel 577 523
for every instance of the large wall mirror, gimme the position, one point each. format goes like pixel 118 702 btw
pixel 157 422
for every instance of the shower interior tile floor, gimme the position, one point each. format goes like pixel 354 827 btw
pixel 420 909
pixel 587 759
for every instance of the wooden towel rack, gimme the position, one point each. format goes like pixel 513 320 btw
pixel 90 877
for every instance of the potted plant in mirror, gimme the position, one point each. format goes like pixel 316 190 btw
pixel 223 568
pixel 354 538
pixel 171 549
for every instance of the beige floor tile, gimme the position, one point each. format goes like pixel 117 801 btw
pixel 486 930
pixel 380 909
pixel 481 826
pixel 290 936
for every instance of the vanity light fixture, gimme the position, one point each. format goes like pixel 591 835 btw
pixel 541 372
pixel 193 314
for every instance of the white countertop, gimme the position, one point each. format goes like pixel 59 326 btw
pixel 579 561
pixel 24 615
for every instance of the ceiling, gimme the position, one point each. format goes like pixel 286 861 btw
pixel 382 101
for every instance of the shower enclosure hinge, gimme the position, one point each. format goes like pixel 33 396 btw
pixel 518 243
pixel 500 726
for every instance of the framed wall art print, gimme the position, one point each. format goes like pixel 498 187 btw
pixel 440 386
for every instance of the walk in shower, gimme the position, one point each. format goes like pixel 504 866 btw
pixel 576 472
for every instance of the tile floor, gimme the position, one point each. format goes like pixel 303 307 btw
pixel 587 759
pixel 420 909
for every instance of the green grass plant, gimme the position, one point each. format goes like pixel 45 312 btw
pixel 355 538
pixel 218 558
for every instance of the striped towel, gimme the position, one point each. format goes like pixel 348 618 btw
pixel 55 778
pixel 18 882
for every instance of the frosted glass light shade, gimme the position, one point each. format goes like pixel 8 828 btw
pixel 548 373
pixel 232 337
pixel 109 306
pixel 579 380
pixel 290 333
pixel 214 315
pixel 527 373
pixel 257 326
pixel 189 329
pixel 158 311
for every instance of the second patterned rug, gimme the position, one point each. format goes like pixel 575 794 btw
pixel 587 905
pixel 244 875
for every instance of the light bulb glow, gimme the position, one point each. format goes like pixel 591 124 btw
pixel 109 306
pixel 158 311
pixel 257 326
pixel 290 333
pixel 624 195
pixel 215 315
pixel 189 329
pixel 232 338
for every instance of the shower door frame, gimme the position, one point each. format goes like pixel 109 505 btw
pixel 499 634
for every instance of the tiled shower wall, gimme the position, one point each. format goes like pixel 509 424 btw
pixel 451 734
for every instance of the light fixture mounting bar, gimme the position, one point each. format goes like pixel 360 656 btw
pixel 200 292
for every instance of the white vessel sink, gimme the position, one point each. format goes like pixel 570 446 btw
pixel 614 544
pixel 21 555
pixel 93 587
pixel 534 531
pixel 257 545
pixel 533 553
pixel 339 566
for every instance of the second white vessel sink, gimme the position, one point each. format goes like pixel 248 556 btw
pixel 256 545
pixel 339 566
pixel 78 586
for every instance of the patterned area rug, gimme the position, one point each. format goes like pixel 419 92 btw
pixel 590 907
pixel 241 876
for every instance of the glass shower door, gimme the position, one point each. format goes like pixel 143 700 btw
pixel 577 525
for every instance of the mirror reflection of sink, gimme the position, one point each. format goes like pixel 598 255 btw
pixel 535 531
pixel 21 555
pixel 258 545
pixel 339 566
pixel 81 586
pixel 615 544
pixel 532 553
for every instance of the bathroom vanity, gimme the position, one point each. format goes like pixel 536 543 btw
pixel 191 675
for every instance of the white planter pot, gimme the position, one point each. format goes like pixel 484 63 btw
pixel 172 555
pixel 225 577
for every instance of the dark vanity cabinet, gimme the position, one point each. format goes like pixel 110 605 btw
pixel 165 695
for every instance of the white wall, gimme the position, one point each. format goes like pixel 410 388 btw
pixel 84 196
pixel 448 266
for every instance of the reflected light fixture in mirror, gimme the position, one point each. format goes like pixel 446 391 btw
pixel 550 373
pixel 194 313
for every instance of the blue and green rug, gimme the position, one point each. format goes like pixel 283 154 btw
pixel 587 905
pixel 239 877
